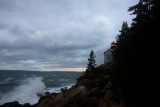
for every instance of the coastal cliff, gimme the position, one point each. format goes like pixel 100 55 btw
pixel 93 89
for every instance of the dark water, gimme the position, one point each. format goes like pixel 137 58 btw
pixel 23 86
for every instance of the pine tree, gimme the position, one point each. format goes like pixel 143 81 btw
pixel 91 61
pixel 138 54
pixel 121 40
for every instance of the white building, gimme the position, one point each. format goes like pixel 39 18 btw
pixel 108 54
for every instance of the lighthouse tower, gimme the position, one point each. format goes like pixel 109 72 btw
pixel 108 54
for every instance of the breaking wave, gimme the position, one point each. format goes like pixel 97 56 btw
pixel 26 92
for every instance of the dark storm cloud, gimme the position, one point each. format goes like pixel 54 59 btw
pixel 48 34
pixel 21 48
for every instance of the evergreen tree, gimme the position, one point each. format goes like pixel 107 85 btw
pixel 91 61
pixel 121 40
pixel 137 55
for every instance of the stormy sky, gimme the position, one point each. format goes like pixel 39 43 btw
pixel 51 35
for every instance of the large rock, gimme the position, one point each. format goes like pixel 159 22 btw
pixel 45 97
pixel 109 85
pixel 11 104
pixel 77 92
pixel 60 100
pixel 86 82
pixel 105 103
pixel 84 102
pixel 81 91
pixel 45 103
pixel 107 77
pixel 109 103
pixel 52 102
pixel 59 97
pixel 109 94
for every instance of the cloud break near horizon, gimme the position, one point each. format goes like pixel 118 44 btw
pixel 49 35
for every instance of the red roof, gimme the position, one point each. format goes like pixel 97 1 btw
pixel 113 44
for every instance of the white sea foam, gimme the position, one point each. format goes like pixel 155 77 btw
pixel 26 92
pixel 8 79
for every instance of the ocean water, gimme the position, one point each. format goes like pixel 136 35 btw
pixel 25 86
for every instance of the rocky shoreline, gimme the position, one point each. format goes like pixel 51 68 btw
pixel 87 92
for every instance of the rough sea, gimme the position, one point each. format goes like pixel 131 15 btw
pixel 24 86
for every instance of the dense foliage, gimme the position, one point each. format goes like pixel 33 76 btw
pixel 137 56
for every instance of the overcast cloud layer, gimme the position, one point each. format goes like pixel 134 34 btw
pixel 58 34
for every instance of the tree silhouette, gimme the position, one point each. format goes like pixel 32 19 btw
pixel 121 40
pixel 137 55
pixel 91 61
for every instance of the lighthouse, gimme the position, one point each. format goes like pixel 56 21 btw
pixel 108 54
